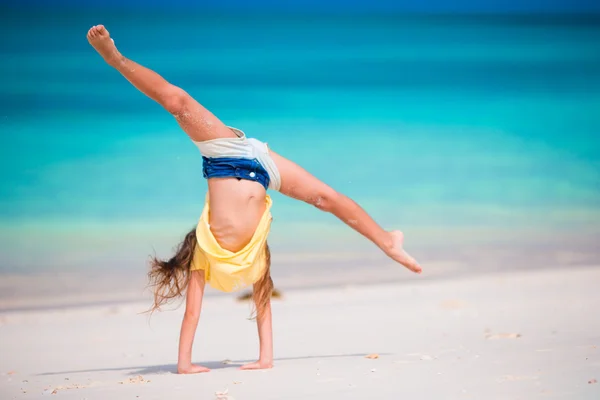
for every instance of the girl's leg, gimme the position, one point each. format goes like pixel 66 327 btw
pixel 297 183
pixel 199 123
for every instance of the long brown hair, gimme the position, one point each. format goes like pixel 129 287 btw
pixel 170 278
pixel 263 288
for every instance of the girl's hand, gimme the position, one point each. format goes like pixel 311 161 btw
pixel 258 365
pixel 191 369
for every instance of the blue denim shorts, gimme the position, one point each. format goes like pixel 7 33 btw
pixel 240 168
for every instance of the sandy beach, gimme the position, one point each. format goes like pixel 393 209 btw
pixel 516 335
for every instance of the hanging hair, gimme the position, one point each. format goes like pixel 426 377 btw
pixel 263 288
pixel 169 278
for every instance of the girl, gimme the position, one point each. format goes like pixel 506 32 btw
pixel 228 248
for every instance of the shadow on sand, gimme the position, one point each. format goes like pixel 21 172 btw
pixel 172 368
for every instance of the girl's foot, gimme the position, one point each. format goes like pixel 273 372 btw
pixel 396 252
pixel 100 39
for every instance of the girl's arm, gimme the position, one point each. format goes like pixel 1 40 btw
pixel 193 306
pixel 264 323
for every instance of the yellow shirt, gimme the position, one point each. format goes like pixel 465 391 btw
pixel 225 270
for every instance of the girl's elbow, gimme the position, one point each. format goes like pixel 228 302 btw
pixel 191 315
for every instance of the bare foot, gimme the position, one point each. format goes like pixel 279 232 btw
pixel 258 365
pixel 396 252
pixel 192 369
pixel 100 39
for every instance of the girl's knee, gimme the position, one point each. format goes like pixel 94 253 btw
pixel 174 101
pixel 325 200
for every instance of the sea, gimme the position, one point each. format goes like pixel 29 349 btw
pixel 477 135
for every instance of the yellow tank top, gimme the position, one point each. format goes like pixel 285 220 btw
pixel 225 270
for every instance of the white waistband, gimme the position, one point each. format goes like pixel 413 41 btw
pixel 242 147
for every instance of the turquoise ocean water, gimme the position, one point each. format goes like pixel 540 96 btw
pixel 486 127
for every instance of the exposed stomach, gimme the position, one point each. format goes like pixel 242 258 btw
pixel 236 207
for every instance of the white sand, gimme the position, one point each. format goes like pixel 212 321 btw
pixel 445 339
